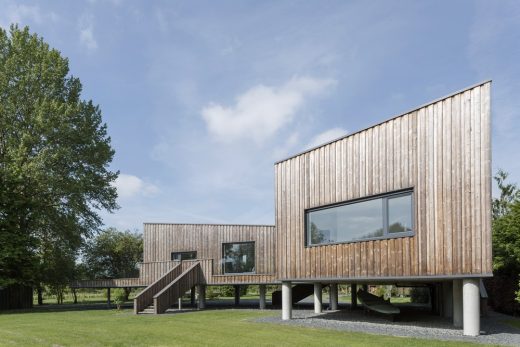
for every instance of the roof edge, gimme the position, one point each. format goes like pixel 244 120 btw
pixel 212 224
pixel 387 120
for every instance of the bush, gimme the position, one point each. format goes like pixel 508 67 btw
pixel 119 297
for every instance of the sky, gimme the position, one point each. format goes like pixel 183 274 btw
pixel 202 97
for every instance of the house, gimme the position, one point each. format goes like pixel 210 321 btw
pixel 406 201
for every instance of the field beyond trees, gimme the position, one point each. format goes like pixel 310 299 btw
pixel 212 327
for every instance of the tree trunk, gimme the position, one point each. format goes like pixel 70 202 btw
pixel 75 295
pixel 39 290
pixel 127 293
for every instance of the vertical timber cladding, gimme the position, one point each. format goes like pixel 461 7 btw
pixel 160 240
pixel 441 150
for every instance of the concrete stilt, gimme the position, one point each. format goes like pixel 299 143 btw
pixel 447 299
pixel 286 301
pixel 353 295
pixel 457 303
pixel 261 292
pixel 471 306
pixel 333 296
pixel 201 296
pixel 317 298
pixel 180 303
pixel 237 295
pixel 108 297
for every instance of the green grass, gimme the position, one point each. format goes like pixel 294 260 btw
pixel 513 322
pixel 212 327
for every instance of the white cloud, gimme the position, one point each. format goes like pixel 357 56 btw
pixel 24 14
pixel 86 33
pixel 129 186
pixel 326 136
pixel 261 110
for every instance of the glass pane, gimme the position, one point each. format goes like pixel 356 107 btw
pixel 400 214
pixel 355 221
pixel 239 257
pixel 184 255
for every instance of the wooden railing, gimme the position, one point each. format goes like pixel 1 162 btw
pixel 172 292
pixel 151 271
pixel 145 298
pixel 108 283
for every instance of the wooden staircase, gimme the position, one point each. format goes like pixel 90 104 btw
pixel 149 310
pixel 163 293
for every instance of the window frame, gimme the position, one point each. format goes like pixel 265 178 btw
pixel 223 269
pixel 386 235
pixel 181 252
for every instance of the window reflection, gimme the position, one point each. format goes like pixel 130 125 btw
pixel 361 220
pixel 238 257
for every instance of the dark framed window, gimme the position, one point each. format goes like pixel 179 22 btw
pixel 184 255
pixel 379 217
pixel 238 257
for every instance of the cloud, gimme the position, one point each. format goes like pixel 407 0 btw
pixel 86 33
pixel 262 110
pixel 326 136
pixel 23 14
pixel 129 186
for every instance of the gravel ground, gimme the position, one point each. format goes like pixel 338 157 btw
pixel 411 323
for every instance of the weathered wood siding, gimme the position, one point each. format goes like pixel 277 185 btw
pixel 441 150
pixel 160 240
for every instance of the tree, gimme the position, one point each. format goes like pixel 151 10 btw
pixel 509 193
pixel 54 157
pixel 506 239
pixel 114 254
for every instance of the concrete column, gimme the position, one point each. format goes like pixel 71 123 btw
pixel 333 296
pixel 108 297
pixel 447 299
pixel 471 306
pixel 353 295
pixel 192 296
pixel 317 298
pixel 237 295
pixel 180 303
pixel 261 292
pixel 286 301
pixel 457 303
pixel 201 296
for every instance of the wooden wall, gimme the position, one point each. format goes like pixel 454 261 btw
pixel 441 150
pixel 162 239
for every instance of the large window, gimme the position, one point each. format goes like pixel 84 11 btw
pixel 238 257
pixel 184 255
pixel 375 218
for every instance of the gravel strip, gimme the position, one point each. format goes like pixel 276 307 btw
pixel 409 324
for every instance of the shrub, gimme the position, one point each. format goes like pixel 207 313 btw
pixel 119 297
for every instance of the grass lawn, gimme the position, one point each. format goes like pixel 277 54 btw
pixel 212 327
pixel 514 323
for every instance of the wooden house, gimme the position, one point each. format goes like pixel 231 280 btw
pixel 406 201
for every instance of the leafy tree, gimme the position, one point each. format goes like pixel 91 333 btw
pixel 114 254
pixel 509 193
pixel 506 239
pixel 54 157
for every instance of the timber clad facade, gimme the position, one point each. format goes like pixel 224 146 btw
pixel 440 151
pixel 160 240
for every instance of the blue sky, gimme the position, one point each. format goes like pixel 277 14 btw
pixel 202 97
